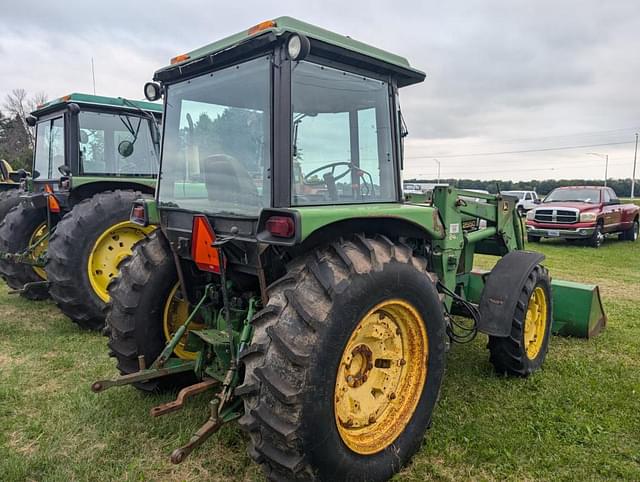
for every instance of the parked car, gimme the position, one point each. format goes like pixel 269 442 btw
pixel 527 200
pixel 582 213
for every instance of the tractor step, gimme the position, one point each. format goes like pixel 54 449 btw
pixel 186 392
pixel 215 338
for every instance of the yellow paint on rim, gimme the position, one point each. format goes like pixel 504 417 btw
pixel 111 247
pixel 381 376
pixel 535 323
pixel 40 247
pixel 175 313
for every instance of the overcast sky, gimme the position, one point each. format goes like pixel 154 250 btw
pixel 502 76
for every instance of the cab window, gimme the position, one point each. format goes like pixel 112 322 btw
pixel 341 134
pixel 49 148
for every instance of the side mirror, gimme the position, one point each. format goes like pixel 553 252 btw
pixel 125 148
pixel 35 174
pixel 64 170
pixel 73 108
pixel 31 121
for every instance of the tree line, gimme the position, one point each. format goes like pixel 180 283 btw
pixel 621 186
pixel 16 137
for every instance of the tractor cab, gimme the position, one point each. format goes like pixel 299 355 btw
pixel 284 115
pixel 81 137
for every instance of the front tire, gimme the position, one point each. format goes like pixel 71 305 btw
pixel 524 351
pixel 21 228
pixel 96 227
pixel 303 355
pixel 597 238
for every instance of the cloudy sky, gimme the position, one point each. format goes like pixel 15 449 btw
pixel 503 77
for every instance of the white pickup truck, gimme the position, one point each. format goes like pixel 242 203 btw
pixel 526 200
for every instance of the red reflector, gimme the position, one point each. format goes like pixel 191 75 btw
pixel 281 226
pixel 138 212
pixel 52 202
pixel 206 257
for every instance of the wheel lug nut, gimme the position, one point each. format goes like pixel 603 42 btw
pixel 349 379
pixel 403 362
pixel 392 396
pixel 372 419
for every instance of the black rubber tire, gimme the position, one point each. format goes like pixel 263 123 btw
pixel 533 239
pixel 16 230
pixel 9 199
pixel 508 354
pixel 631 234
pixel 70 247
pixel 292 362
pixel 134 314
pixel 597 238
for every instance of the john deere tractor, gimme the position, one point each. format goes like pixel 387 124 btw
pixel 291 280
pixel 9 187
pixel 94 156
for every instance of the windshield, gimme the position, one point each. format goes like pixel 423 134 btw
pixel 342 142
pixel 591 196
pixel 116 144
pixel 49 153
pixel 216 152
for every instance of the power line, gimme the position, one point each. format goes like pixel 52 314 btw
pixel 523 151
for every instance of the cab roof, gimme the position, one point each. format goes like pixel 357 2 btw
pixel 366 55
pixel 95 101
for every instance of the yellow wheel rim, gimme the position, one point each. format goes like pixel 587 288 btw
pixel 535 323
pixel 40 232
pixel 381 376
pixel 175 313
pixel 109 250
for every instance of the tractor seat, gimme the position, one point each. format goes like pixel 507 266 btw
pixel 228 182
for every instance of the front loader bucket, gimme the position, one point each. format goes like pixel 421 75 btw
pixel 577 309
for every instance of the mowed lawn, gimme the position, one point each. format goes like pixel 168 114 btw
pixel 577 419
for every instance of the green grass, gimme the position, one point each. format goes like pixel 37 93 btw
pixel 577 419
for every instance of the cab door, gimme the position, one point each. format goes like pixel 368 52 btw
pixel 611 210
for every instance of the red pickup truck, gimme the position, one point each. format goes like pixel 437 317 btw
pixel 582 213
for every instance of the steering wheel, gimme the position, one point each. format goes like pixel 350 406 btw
pixel 330 178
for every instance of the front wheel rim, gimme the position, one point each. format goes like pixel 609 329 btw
pixel 111 247
pixel 535 323
pixel 381 376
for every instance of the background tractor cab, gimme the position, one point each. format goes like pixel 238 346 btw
pixel 93 157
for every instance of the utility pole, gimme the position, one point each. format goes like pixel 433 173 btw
pixel 93 74
pixel 438 162
pixel 606 164
pixel 633 177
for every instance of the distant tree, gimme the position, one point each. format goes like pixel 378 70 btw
pixel 18 104
pixel 15 145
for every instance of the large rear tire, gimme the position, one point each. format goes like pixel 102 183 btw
pixel 84 253
pixel 322 401
pixel 20 228
pixel 138 303
pixel 8 200
pixel 524 351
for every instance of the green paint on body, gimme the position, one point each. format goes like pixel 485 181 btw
pixel 78 181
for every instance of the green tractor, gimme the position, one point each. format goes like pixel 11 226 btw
pixel 9 187
pixel 94 156
pixel 291 279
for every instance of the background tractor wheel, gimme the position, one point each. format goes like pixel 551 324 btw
pixel 345 365
pixel 21 228
pixel 8 200
pixel 524 351
pixel 140 300
pixel 88 245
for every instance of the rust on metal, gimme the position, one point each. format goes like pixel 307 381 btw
pixel 185 393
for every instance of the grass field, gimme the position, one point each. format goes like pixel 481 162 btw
pixel 577 419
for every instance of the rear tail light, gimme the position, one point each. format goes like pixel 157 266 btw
pixel 281 226
pixel 52 202
pixel 203 253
